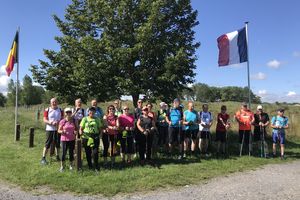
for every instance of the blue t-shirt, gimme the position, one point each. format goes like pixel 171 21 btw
pixel 279 121
pixel 191 116
pixel 175 115
pixel 98 114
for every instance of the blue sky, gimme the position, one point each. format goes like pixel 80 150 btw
pixel 274 40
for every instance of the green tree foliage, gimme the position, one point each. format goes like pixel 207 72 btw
pixel 111 48
pixel 204 93
pixel 2 100
pixel 28 93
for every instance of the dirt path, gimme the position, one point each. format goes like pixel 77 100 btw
pixel 270 182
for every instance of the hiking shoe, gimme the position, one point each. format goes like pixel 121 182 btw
pixel 43 161
pixel 61 169
pixel 184 156
pixel 180 157
pixel 282 157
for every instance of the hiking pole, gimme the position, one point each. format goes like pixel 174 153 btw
pixel 250 143
pixel 243 138
pixel 261 141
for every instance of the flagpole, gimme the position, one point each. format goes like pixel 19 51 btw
pixel 17 86
pixel 248 68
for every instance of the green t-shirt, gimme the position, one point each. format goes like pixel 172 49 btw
pixel 91 125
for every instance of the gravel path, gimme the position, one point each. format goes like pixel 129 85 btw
pixel 270 182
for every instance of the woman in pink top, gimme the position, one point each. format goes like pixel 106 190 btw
pixel 126 121
pixel 68 129
pixel 110 134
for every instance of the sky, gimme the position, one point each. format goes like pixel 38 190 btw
pixel 274 42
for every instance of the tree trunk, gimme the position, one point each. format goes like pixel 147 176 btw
pixel 135 98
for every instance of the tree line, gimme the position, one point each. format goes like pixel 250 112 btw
pixel 205 93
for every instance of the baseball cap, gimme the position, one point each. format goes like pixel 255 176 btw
pixel 68 110
pixel 259 107
pixel 161 104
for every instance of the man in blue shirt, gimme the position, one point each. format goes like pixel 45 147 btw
pixel 174 119
pixel 98 113
pixel 279 124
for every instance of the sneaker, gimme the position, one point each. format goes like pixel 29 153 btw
pixel 184 155
pixel 71 167
pixel 180 157
pixel 61 169
pixel 282 157
pixel 43 161
pixel 57 158
pixel 207 155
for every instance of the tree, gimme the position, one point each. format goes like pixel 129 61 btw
pixel 11 93
pixel 128 47
pixel 2 100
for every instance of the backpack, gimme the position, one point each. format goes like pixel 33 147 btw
pixel 46 112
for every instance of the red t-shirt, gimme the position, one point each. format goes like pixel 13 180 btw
pixel 112 121
pixel 220 126
pixel 245 117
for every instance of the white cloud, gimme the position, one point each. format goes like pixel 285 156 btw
pixel 262 92
pixel 4 80
pixel 275 64
pixel 259 76
pixel 296 53
pixel 291 94
pixel 2 70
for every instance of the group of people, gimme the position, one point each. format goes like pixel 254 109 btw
pixel 143 132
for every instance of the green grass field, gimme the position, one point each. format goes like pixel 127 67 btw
pixel 21 165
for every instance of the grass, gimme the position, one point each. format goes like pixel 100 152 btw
pixel 20 164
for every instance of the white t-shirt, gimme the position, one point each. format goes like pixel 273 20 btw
pixel 53 115
pixel 206 118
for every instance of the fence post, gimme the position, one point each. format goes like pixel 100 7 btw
pixel 31 138
pixel 18 132
pixel 78 155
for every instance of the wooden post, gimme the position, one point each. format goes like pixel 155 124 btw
pixel 78 155
pixel 18 132
pixel 31 138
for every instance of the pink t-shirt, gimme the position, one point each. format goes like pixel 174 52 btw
pixel 126 120
pixel 69 128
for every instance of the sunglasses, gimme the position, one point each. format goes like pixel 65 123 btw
pixel 126 109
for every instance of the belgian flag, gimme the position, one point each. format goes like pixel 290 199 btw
pixel 13 56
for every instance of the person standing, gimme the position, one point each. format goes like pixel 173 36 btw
pixel 52 116
pixel 245 118
pixel 137 113
pixel 118 107
pixel 261 121
pixel 110 134
pixel 146 126
pixel 206 121
pixel 68 130
pixel 162 126
pixel 174 119
pixel 279 124
pixel 126 122
pixel 98 111
pixel 223 125
pixel 191 122
pixel 90 129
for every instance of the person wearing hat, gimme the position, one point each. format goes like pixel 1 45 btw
pixel 279 123
pixel 174 119
pixel 162 126
pixel 146 126
pixel 67 129
pixel 90 129
pixel 245 118
pixel 261 121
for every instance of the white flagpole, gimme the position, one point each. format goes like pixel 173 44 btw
pixel 248 68
pixel 17 85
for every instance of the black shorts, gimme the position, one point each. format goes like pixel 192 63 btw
pixel 221 136
pixel 191 134
pixel 246 136
pixel 52 136
pixel 204 135
pixel 175 135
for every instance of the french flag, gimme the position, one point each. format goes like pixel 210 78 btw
pixel 233 48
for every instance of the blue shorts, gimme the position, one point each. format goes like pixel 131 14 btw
pixel 278 136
